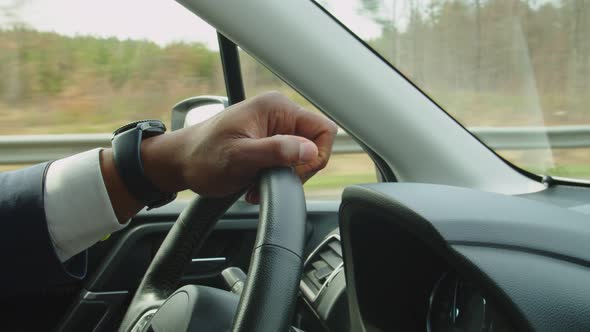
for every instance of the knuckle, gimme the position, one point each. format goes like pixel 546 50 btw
pixel 273 100
pixel 272 94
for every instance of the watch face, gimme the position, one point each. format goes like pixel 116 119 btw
pixel 151 124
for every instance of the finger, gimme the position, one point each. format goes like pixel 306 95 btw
pixel 253 195
pixel 282 116
pixel 277 150
pixel 321 131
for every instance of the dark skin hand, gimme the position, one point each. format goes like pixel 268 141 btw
pixel 225 154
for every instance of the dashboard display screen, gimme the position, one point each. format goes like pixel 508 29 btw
pixel 458 306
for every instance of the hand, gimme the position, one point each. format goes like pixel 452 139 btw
pixel 226 153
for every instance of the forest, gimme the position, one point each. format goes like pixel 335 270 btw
pixel 493 62
pixel 486 62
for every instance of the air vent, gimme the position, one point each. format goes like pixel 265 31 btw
pixel 321 266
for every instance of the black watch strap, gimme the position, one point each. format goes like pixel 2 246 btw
pixel 126 144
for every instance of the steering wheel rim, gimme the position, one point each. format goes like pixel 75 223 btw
pixel 268 299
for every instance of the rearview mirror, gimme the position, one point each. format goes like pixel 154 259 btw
pixel 196 109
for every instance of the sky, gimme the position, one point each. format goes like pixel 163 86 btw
pixel 165 21
pixel 161 21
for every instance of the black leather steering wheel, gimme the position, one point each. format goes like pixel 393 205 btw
pixel 268 299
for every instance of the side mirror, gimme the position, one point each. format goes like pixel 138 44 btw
pixel 196 109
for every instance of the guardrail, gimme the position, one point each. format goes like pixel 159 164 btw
pixel 28 149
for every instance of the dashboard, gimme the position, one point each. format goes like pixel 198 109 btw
pixel 435 299
pixel 420 257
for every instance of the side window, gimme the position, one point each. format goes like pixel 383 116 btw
pixel 343 169
pixel 80 66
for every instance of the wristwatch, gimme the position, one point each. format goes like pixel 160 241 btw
pixel 126 144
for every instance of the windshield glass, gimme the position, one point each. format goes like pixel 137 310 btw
pixel 516 73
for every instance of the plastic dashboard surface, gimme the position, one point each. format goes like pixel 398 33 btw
pixel 530 258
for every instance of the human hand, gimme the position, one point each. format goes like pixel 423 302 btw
pixel 226 153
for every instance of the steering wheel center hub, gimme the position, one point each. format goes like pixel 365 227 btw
pixel 192 308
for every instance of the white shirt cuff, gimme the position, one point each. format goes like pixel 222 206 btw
pixel 77 205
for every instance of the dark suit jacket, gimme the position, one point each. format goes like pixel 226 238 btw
pixel 27 256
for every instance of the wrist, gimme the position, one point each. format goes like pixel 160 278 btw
pixel 162 163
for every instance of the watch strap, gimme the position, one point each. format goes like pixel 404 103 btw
pixel 126 145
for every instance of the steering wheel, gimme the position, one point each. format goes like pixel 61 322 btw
pixel 270 292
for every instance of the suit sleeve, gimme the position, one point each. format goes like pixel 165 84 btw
pixel 27 252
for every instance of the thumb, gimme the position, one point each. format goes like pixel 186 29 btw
pixel 279 150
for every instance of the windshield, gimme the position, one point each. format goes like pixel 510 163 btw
pixel 516 73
